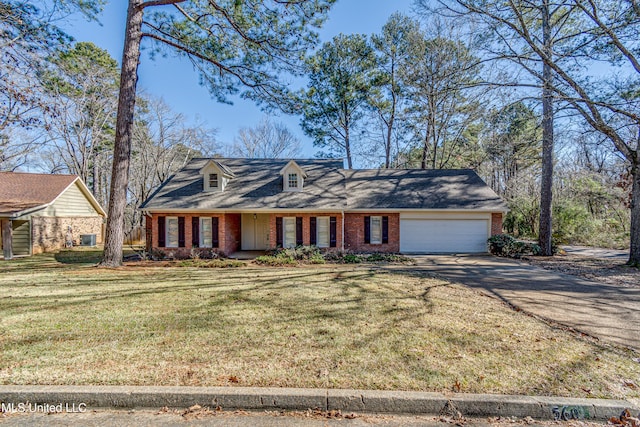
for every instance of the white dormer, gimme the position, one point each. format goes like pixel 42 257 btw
pixel 215 176
pixel 292 177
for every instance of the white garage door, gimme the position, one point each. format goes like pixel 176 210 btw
pixel 443 236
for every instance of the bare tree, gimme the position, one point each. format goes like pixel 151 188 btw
pixel 266 140
pixel 161 145
pixel 584 32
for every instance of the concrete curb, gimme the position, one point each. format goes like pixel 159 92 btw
pixel 368 401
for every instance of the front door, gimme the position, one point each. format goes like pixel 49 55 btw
pixel 255 232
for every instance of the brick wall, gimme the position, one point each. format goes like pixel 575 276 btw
pixel 49 233
pixel 354 233
pixel 306 222
pixel 228 234
pixel 496 223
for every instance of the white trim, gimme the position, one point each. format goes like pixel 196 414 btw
pixel 83 188
pixel 201 239
pixel 166 232
pixel 293 164
pixel 328 220
pixel 379 229
pixel 286 219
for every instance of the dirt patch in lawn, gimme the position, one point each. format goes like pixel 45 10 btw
pixel 325 326
pixel 611 272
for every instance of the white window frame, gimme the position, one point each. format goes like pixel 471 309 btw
pixel 216 180
pixel 292 180
pixel 288 220
pixel 168 228
pixel 327 221
pixel 377 228
pixel 203 237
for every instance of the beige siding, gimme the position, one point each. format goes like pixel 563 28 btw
pixel 21 237
pixel 72 202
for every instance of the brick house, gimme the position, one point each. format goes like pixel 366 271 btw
pixel 227 205
pixel 40 212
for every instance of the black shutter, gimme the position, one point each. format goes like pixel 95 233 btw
pixel 333 225
pixel 279 231
pixel 195 232
pixel 299 231
pixel 313 231
pixel 161 232
pixel 181 232
pixel 367 229
pixel 385 229
pixel 215 239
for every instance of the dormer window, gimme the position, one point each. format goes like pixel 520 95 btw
pixel 215 176
pixel 213 180
pixel 293 177
pixel 293 180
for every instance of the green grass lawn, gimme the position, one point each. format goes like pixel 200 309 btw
pixel 65 321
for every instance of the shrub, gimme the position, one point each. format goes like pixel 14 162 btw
pixel 216 263
pixel 275 260
pixel 508 246
pixel 352 259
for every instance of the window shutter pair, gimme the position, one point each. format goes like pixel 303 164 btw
pixel 195 232
pixel 162 242
pixel 313 231
pixel 385 229
pixel 280 234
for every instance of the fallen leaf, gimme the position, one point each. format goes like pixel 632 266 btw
pixel 233 379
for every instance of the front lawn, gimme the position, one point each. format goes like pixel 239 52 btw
pixel 333 326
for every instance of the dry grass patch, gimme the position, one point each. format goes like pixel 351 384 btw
pixel 327 326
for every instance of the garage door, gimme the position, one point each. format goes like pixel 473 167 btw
pixel 443 236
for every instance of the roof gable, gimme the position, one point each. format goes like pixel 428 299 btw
pixel 21 193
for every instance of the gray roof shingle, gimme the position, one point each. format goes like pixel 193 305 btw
pixel 420 189
pixel 258 185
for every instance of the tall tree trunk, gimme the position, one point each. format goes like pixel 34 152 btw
pixel 425 149
pixel 546 196
pixel 387 148
pixel 347 147
pixel 114 237
pixel 634 250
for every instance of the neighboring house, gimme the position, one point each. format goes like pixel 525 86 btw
pixel 257 204
pixel 41 212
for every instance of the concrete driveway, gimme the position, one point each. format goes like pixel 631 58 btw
pixel 610 313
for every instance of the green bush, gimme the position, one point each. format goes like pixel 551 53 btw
pixel 275 260
pixel 216 263
pixel 508 246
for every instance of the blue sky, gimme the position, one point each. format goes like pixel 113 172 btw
pixel 176 82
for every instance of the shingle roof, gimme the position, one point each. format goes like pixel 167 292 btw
pixel 22 191
pixel 258 185
pixel 420 189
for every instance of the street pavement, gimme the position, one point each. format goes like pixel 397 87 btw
pixel 152 418
pixel 608 312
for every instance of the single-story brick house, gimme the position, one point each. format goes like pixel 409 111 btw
pixel 40 212
pixel 228 205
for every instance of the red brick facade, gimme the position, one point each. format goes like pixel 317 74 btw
pixel 354 232
pixel 229 232
pixel 496 223
pixel 306 227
